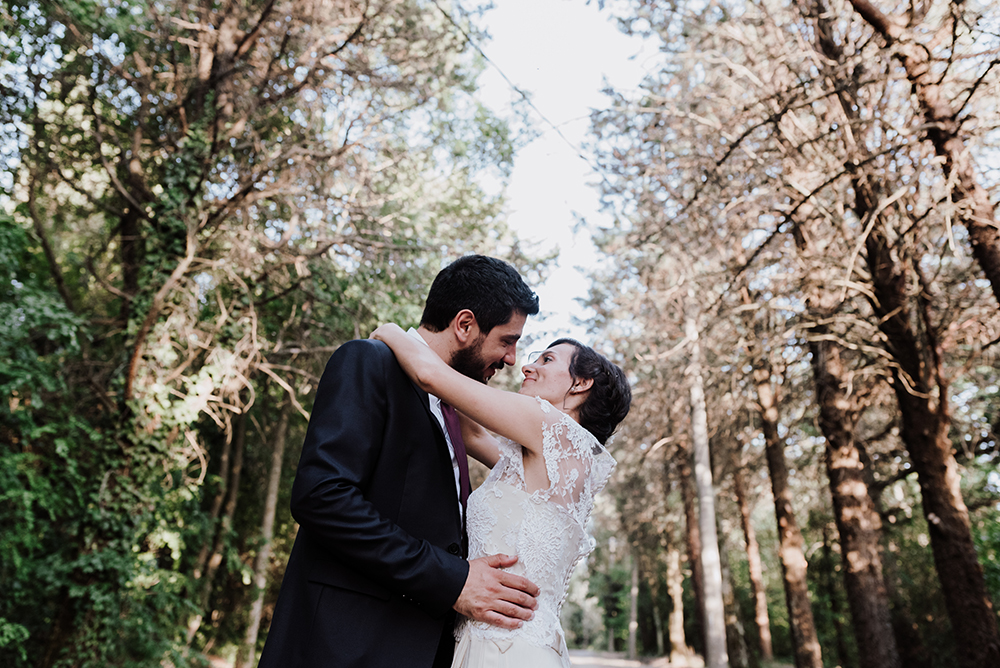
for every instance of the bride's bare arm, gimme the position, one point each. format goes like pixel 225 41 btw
pixel 479 443
pixel 516 416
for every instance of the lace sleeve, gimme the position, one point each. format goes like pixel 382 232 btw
pixel 578 466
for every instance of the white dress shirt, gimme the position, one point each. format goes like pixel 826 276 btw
pixel 435 405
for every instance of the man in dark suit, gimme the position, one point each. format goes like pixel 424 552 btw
pixel 378 568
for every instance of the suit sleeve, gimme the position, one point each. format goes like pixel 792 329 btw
pixel 341 449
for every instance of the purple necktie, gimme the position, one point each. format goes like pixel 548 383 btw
pixel 455 432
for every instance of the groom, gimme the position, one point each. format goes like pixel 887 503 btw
pixel 378 568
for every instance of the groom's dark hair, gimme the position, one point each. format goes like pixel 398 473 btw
pixel 490 288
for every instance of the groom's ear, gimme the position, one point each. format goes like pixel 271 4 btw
pixel 464 326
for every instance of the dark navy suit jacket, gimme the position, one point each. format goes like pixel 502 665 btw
pixel 378 561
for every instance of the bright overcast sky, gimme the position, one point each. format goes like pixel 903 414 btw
pixel 560 52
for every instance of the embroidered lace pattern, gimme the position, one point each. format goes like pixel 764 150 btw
pixel 546 529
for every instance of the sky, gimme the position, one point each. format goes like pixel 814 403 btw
pixel 562 53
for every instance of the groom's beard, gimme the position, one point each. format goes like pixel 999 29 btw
pixel 470 362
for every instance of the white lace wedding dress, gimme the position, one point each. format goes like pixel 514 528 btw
pixel 546 529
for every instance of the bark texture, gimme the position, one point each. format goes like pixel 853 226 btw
pixel 761 617
pixel 692 536
pixel 229 510
pixel 245 657
pixel 716 655
pixel 922 393
pixel 679 650
pixel 858 523
pixel 805 642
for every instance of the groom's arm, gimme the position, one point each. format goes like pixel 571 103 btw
pixel 342 447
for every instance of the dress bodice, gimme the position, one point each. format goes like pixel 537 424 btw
pixel 546 528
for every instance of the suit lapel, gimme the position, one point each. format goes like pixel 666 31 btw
pixel 442 446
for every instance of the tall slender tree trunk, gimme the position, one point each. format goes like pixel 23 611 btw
pixel 633 609
pixel 679 650
pixel 692 537
pixel 830 588
pixel 245 656
pixel 657 615
pixel 805 642
pixel 675 620
pixel 130 252
pixel 215 559
pixel 239 433
pixel 736 637
pixel 761 617
pixel 715 614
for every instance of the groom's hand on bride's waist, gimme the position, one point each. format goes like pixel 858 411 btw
pixel 495 596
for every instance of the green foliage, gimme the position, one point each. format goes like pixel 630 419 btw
pixel 611 587
pixel 986 534
pixel 215 235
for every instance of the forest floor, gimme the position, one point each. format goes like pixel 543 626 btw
pixel 581 657
pixel 588 659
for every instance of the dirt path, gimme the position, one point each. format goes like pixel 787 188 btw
pixel 579 657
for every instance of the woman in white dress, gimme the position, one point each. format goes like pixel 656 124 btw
pixel 547 465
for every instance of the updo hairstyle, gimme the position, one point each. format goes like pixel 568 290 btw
pixel 610 396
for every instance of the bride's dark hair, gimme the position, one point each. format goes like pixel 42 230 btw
pixel 610 396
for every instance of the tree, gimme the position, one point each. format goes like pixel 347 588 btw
pixel 201 201
pixel 772 128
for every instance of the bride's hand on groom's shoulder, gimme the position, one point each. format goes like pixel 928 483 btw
pixel 495 596
pixel 383 331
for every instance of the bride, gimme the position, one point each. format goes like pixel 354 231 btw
pixel 547 465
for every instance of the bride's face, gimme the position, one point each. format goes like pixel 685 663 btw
pixel 548 376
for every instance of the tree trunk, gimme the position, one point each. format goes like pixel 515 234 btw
pixel 715 614
pixel 215 560
pixel 679 650
pixel 692 538
pixel 736 637
pixel 830 588
pixel 805 643
pixel 130 250
pixel 633 610
pixel 761 617
pixel 922 394
pixel 657 620
pixel 858 523
pixel 918 380
pixel 245 656
pixel 857 519
pixel 220 496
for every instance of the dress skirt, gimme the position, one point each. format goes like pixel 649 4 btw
pixel 476 652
